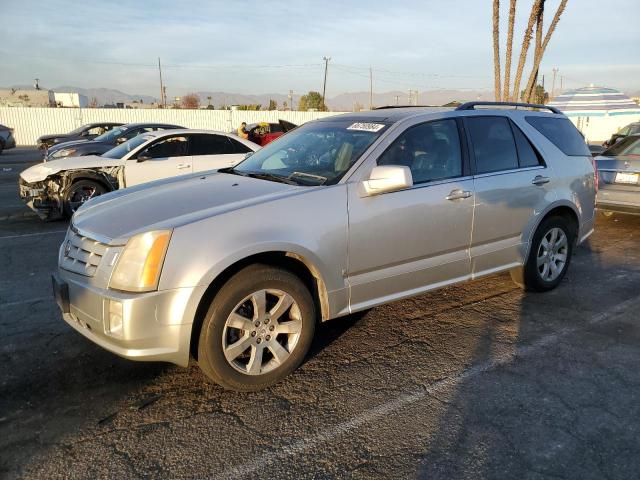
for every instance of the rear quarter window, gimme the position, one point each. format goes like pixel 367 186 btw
pixel 562 133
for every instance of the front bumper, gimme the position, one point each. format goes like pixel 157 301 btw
pixel 37 197
pixel 155 326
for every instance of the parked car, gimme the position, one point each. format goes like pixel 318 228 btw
pixel 264 132
pixel 619 177
pixel 631 129
pixel 104 142
pixel 6 138
pixel 84 132
pixel 338 216
pixel 57 188
pixel 596 149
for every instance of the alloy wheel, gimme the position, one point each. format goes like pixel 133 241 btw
pixel 261 331
pixel 552 254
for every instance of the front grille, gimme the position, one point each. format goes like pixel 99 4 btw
pixel 81 254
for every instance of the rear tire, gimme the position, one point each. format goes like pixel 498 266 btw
pixel 549 256
pixel 79 193
pixel 257 330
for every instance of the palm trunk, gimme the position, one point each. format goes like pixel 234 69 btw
pixel 543 47
pixel 537 55
pixel 525 47
pixel 496 49
pixel 507 61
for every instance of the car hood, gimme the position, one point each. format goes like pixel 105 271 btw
pixel 39 172
pixel 54 136
pixel 164 204
pixel 73 143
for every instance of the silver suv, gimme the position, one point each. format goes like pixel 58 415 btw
pixel 236 267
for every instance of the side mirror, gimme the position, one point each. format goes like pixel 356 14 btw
pixel 387 178
pixel 121 140
pixel 143 157
pixel 85 133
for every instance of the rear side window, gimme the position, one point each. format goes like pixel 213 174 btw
pixel 205 144
pixel 239 147
pixel 527 155
pixel 493 145
pixel 562 133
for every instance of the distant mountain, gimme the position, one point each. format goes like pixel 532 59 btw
pixel 343 102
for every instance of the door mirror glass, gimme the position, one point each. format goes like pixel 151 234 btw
pixel 120 140
pixel 143 156
pixel 387 178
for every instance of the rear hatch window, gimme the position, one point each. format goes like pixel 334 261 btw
pixel 562 133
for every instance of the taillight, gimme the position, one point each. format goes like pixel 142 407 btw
pixel 595 172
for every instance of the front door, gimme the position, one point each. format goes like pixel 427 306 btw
pixel 165 158
pixel 405 242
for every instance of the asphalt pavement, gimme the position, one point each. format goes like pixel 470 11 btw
pixel 480 380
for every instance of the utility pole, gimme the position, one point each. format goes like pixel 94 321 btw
pixel 370 88
pixel 417 98
pixel 397 99
pixel 162 97
pixel 410 97
pixel 553 83
pixel 561 79
pixel 324 87
pixel 291 100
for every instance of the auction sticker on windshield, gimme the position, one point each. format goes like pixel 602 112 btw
pixel 366 127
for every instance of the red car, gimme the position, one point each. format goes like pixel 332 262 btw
pixel 263 133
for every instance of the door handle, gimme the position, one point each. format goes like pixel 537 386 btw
pixel 182 166
pixel 540 180
pixel 458 194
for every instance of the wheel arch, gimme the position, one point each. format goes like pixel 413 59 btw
pixel 562 209
pixel 290 261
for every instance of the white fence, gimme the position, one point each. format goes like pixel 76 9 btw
pixel 30 123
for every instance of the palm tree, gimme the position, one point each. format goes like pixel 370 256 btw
pixel 507 61
pixel 525 47
pixel 541 47
pixel 496 48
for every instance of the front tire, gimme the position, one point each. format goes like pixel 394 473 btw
pixel 258 329
pixel 79 193
pixel 549 256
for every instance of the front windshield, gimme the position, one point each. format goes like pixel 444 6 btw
pixel 317 153
pixel 626 146
pixel 111 135
pixel 126 147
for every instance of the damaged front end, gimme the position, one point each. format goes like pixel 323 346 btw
pixel 47 198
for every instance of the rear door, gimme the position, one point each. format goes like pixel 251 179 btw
pixel 164 158
pixel 511 184
pixel 211 151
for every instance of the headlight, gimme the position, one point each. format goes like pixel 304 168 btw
pixel 65 152
pixel 140 263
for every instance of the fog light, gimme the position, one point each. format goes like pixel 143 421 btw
pixel 115 318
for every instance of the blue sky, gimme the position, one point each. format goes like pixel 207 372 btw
pixel 272 46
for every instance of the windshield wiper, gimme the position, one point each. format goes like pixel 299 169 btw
pixel 309 176
pixel 271 176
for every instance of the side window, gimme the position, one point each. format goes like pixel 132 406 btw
pixel 169 147
pixel 493 144
pixel 99 130
pixel 562 133
pixel 431 151
pixel 205 144
pixel 239 147
pixel 527 154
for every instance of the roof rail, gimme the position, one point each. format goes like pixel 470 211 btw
pixel 472 105
pixel 386 107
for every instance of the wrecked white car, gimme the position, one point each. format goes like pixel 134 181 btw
pixel 56 189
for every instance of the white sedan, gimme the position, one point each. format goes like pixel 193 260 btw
pixel 58 188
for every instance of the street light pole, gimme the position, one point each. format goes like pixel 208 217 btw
pixel 324 87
